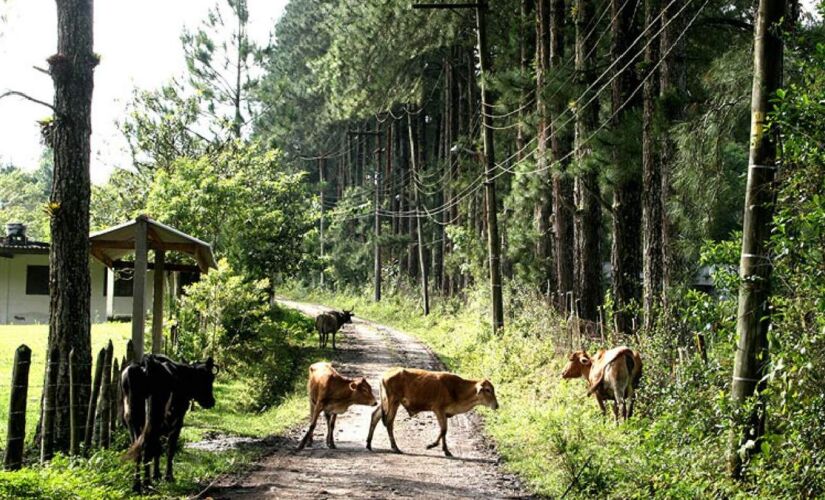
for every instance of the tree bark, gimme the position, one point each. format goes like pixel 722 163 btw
pixel 563 210
pixel 72 71
pixel 651 178
pixel 544 206
pixel 753 317
pixel 587 192
pixel 626 255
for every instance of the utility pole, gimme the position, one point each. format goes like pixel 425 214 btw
pixel 753 316
pixel 376 203
pixel 493 241
pixel 425 293
pixel 321 232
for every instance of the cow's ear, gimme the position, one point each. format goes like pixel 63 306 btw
pixel 585 361
pixel 353 385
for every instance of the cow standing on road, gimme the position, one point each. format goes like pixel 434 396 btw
pixel 331 322
pixel 611 375
pixel 332 394
pixel 442 393
pixel 164 388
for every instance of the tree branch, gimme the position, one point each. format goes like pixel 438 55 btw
pixel 27 97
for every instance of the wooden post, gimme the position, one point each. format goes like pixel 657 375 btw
pixel 130 352
pixel 90 413
pixel 139 286
pixel 157 303
pixel 493 241
pixel 105 403
pixel 114 396
pixel 753 317
pixel 49 406
pixel 321 190
pixel 425 294
pixel 73 403
pixel 377 231
pixel 16 435
pixel 110 293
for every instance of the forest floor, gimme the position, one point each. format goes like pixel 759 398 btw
pixel 367 349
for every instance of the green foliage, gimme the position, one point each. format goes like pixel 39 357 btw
pixel 242 201
pixel 23 196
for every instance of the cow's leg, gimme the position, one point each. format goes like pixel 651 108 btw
pixel 147 464
pixel 631 395
pixel 170 454
pixel 312 421
pixel 601 405
pixel 136 483
pixel 376 416
pixel 156 473
pixel 333 339
pixel 330 431
pixel 442 436
pixel 390 423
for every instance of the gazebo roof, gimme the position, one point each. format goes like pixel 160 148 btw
pixel 111 244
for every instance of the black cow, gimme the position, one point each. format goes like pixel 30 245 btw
pixel 331 322
pixel 165 389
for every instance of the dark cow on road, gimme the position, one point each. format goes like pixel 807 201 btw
pixel 165 389
pixel 331 322
pixel 442 393
pixel 610 375
pixel 332 394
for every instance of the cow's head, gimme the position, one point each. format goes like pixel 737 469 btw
pixel 347 317
pixel 486 394
pixel 362 392
pixel 203 381
pixel 578 365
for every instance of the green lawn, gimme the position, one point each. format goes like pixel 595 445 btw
pixel 36 337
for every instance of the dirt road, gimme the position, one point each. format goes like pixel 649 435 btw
pixel 350 471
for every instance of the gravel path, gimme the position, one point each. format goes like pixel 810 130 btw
pixel 351 471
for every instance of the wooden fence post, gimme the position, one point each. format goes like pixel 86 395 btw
pixel 114 396
pixel 130 352
pixel 72 406
pixel 16 435
pixel 123 365
pixel 105 403
pixel 90 415
pixel 48 410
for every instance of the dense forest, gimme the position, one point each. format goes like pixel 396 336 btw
pixel 573 173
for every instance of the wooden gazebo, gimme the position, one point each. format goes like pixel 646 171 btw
pixel 138 237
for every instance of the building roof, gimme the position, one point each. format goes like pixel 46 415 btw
pixel 111 244
pixel 8 248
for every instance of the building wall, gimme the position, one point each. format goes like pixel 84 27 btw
pixel 18 308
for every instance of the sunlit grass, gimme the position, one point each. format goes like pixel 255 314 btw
pixel 36 337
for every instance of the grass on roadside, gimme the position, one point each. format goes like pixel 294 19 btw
pixel 546 429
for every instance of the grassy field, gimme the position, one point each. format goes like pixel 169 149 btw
pixel 36 337
pixel 105 474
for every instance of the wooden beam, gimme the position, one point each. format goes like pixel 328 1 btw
pixel 139 287
pixel 190 248
pixel 157 303
pixel 168 267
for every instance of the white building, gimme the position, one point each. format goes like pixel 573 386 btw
pixel 24 283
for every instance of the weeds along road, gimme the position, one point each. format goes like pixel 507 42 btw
pixel 350 471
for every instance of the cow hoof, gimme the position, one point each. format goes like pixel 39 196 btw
pixel 447 454
pixel 396 450
pixel 431 446
pixel 169 478
pixel 369 446
pixel 331 446
pixel 136 488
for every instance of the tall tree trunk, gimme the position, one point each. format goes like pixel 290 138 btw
pixel 626 255
pixel 587 192
pixel 544 207
pixel 72 70
pixel 525 42
pixel 563 209
pixel 672 84
pixel 651 178
pixel 753 317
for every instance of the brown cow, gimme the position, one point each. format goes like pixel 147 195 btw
pixel 332 394
pixel 611 375
pixel 442 393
